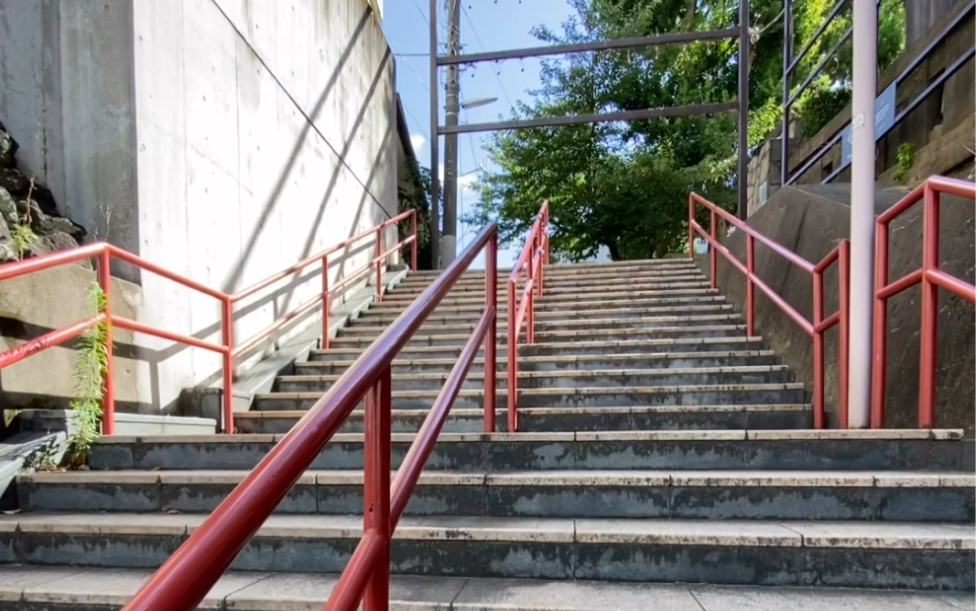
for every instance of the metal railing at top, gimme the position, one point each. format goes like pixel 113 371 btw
pixel 930 276
pixel 186 577
pixel 535 256
pixel 105 253
pixel 814 329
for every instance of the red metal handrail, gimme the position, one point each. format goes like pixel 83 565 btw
pixel 535 256
pixel 186 577
pixel 104 253
pixel 931 277
pixel 814 329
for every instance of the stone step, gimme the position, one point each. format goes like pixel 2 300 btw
pixel 561 308
pixel 557 279
pixel 578 348
pixel 579 269
pixel 815 450
pixel 556 287
pixel 934 556
pixel 603 336
pixel 548 325
pixel 702 394
pixel 676 495
pixel 596 362
pixel 607 378
pixel 665 291
pixel 39 588
pixel 470 420
pixel 372 317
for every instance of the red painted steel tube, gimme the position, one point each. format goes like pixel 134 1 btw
pixel 900 206
pixel 326 305
pixel 51 338
pixel 880 325
pixel 36 264
pixel 818 398
pixel 907 281
pixel 713 244
pixel 377 261
pixel 954 285
pixel 691 227
pixel 128 257
pixel 352 277
pixel 844 254
pixel 491 303
pixel 427 435
pixel 750 267
pixel 255 340
pixel 512 355
pixel 108 375
pixel 413 244
pixel 138 327
pixel 828 322
pixel 927 334
pixel 227 327
pixel 186 577
pixel 530 296
pixel 376 490
pixel 349 589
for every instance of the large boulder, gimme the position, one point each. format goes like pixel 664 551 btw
pixel 14 181
pixel 43 224
pixel 7 251
pixel 53 242
pixel 8 207
pixel 8 148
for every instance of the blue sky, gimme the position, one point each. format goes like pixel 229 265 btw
pixel 486 25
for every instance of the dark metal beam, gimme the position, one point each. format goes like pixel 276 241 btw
pixel 743 99
pixel 628 115
pixel 603 45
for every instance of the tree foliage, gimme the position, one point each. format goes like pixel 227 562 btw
pixel 625 185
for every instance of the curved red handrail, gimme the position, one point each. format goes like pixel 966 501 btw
pixel 104 253
pixel 534 257
pixel 930 276
pixel 186 577
pixel 815 328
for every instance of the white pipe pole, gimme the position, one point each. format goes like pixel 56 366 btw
pixel 865 48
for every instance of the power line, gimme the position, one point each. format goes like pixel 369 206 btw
pixel 482 45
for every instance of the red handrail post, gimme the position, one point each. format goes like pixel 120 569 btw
pixel 376 489
pixel 413 245
pixel 844 252
pixel 880 324
pixel 511 355
pixel 818 336
pixel 227 328
pixel 491 338
pixel 326 302
pixel 530 310
pixel 691 227
pixel 927 334
pixel 712 249
pixel 378 256
pixel 750 262
pixel 108 375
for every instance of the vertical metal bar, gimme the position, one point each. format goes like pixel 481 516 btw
pixel 743 98
pixel 691 230
pixel 843 289
pixel 927 332
pixel 788 57
pixel 227 324
pixel 511 332
pixel 413 245
pixel 379 274
pixel 880 325
pixel 818 398
pixel 435 155
pixel 865 20
pixel 326 303
pixel 376 488
pixel 491 339
pixel 750 264
pixel 530 313
pixel 712 249
pixel 108 376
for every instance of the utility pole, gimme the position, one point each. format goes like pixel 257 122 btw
pixel 435 121
pixel 743 98
pixel 449 243
pixel 864 54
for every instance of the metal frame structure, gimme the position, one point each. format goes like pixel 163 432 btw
pixel 741 31
pixel 104 254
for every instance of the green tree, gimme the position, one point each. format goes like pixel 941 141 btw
pixel 624 186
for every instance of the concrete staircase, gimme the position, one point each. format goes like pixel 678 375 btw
pixel 659 445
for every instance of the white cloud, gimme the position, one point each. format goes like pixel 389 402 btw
pixel 417 141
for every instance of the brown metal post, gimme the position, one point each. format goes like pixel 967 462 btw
pixel 691 229
pixel 491 339
pixel 880 325
pixel 326 303
pixel 712 248
pixel 379 252
pixel 413 245
pixel 376 489
pixel 818 398
pixel 108 376
pixel 227 328
pixel 750 262
pixel 927 332
pixel 511 332
pixel 843 279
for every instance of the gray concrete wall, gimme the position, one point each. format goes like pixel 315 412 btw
pixel 810 221
pixel 221 139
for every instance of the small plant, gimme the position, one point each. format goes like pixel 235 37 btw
pixel 91 366
pixel 21 234
pixel 904 161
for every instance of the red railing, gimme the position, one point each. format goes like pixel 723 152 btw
pixel 931 277
pixel 186 577
pixel 535 256
pixel 104 253
pixel 814 329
